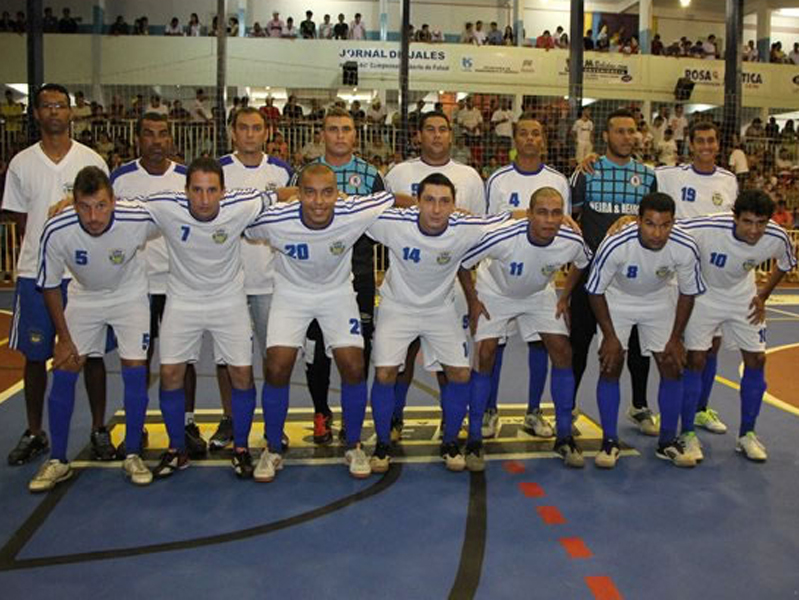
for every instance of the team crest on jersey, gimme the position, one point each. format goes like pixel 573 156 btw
pixel 117 257
pixel 749 265
pixel 635 181
pixel 35 336
pixel 663 272
pixel 718 199
pixel 337 248
pixel 355 180
pixel 270 186
pixel 548 270
pixel 219 236
pixel 444 258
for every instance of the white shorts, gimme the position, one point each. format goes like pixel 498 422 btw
pixel 130 318
pixel 259 305
pixel 533 315
pixel 713 316
pixel 440 330
pixel 655 323
pixel 226 319
pixel 337 313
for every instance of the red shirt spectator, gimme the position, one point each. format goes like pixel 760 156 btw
pixel 545 40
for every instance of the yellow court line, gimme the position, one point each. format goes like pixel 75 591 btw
pixel 774 319
pixel 19 386
pixel 3 342
pixel 783 312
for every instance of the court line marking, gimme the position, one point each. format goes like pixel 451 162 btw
pixel 783 312
pixel 20 385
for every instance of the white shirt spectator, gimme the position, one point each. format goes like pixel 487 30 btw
pixel 738 162
pixel 470 118
pixel 793 56
pixel 357 30
pixel 275 27
pixel 583 130
pixel 667 152
pixel 326 31
pixel 750 54
pixel 480 37
pixel 195 29
pixel 376 115
pixel 504 122
pixel 200 111
pixel 161 109
pixel 173 29
pixel 678 125
pixel 709 49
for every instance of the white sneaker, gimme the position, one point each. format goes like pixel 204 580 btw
pixel 752 447
pixel 692 446
pixel 490 426
pixel 268 464
pixel 709 419
pixel 49 474
pixel 358 461
pixel 536 424
pixel 608 455
pixel 645 420
pixel 453 457
pixel 135 470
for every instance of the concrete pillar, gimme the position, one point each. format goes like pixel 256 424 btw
pixel 764 33
pixel 98 20
pixel 383 20
pixel 518 22
pixel 645 26
pixel 241 14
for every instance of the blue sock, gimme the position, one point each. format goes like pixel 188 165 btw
pixel 275 402
pixel 173 410
pixel 562 389
pixel 353 409
pixel 400 398
pixel 454 399
pixel 608 398
pixel 753 386
pixel 691 388
pixel 670 398
pixel 243 404
pixel 382 410
pixel 135 402
pixel 479 393
pixel 708 377
pixel 496 373
pixel 60 404
pixel 538 362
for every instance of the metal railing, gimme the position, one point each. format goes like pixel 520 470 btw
pixel 9 251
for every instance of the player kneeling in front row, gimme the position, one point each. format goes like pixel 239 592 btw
pixel 519 259
pixel 731 246
pixel 629 285
pixel 97 242
pixel 426 245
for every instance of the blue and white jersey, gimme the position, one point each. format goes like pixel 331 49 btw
pixel 405 177
pixel 309 260
pixel 256 256
pixel 514 266
pixel 130 181
pixel 423 266
pixel 626 271
pixel 205 256
pixel 104 267
pixel 697 194
pixel 728 263
pixel 510 188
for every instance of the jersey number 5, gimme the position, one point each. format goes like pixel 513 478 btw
pixel 81 257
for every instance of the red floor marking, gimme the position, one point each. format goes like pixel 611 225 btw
pixel 576 548
pixel 551 515
pixel 603 589
pixel 532 490
pixel 513 467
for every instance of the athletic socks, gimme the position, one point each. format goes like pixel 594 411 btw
pixel 496 373
pixel 353 409
pixel 691 389
pixel 454 398
pixel 59 405
pixel 608 398
pixel 173 406
pixel 400 398
pixel 481 389
pixel 708 376
pixel 562 389
pixel 670 399
pixel 243 404
pixel 753 386
pixel 135 403
pixel 275 402
pixel 538 362
pixel 383 396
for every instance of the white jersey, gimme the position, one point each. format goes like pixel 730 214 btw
pixel 256 256
pixel 510 188
pixel 626 271
pixel 309 260
pixel 728 263
pixel 405 177
pixel 697 194
pixel 205 256
pixel 423 267
pixel 104 267
pixel 131 180
pixel 517 267
pixel 33 184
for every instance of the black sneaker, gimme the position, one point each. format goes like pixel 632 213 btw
pixel 381 459
pixel 171 462
pixel 451 453
pixel 242 464
pixel 223 436
pixel 342 435
pixel 28 447
pixel 195 444
pixel 475 456
pixel 102 448
pixel 675 452
pixel 284 442
pixel 122 451
pixel 322 429
pixel 571 454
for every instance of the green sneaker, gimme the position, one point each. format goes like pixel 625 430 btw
pixel 709 419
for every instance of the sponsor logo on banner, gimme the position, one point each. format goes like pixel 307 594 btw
pixel 715 78
pixel 493 64
pixel 528 66
pixel 608 71
pixel 372 59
